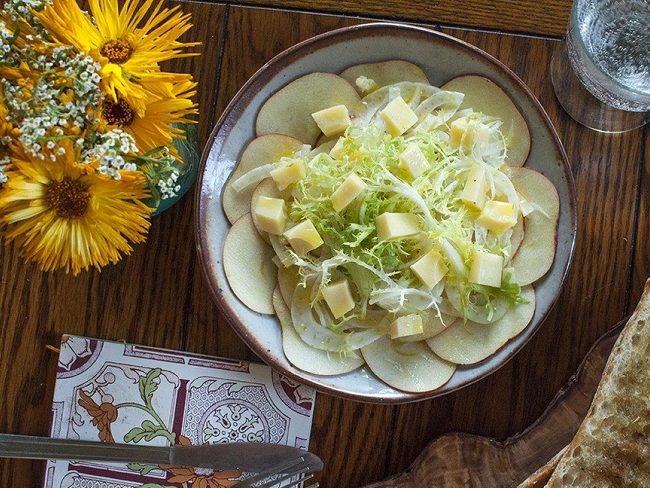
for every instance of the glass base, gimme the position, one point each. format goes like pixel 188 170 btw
pixel 582 106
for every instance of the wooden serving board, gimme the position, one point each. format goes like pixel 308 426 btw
pixel 460 460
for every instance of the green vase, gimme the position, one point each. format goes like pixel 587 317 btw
pixel 188 150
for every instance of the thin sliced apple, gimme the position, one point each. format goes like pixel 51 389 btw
pixel 267 188
pixel 469 343
pixel 287 281
pixel 483 95
pixel 432 325
pixel 248 264
pixel 288 111
pixel 537 250
pixel 408 367
pixel 263 150
pixel 308 358
pixel 385 73
pixel 516 237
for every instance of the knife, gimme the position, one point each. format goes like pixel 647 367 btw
pixel 246 457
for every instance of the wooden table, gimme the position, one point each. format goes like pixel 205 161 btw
pixel 158 296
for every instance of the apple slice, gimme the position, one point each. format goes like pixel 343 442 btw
pixel 308 358
pixel 265 149
pixel 385 73
pixel 410 367
pixel 483 95
pixel 537 250
pixel 516 237
pixel 267 188
pixel 287 281
pixel 469 343
pixel 247 262
pixel 288 111
pixel 432 325
pixel 324 145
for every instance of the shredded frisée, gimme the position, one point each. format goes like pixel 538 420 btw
pixel 392 223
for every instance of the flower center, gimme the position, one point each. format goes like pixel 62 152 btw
pixel 118 113
pixel 69 198
pixel 118 51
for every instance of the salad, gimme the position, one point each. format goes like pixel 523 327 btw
pixel 391 223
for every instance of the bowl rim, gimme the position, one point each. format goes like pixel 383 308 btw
pixel 202 198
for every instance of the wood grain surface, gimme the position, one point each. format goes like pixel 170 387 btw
pixel 547 17
pixel 158 297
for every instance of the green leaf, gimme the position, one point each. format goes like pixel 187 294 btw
pixel 147 385
pixel 143 469
pixel 147 431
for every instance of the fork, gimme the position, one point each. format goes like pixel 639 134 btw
pixel 303 467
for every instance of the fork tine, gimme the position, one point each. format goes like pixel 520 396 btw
pixel 286 477
pixel 289 465
pixel 301 480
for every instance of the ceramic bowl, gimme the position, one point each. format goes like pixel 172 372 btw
pixel 442 57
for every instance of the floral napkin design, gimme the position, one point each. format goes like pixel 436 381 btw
pixel 116 392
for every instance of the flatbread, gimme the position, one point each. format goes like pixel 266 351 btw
pixel 612 445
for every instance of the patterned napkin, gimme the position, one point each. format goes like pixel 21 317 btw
pixel 116 392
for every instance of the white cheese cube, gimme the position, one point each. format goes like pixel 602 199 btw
pixel 338 298
pixel 412 161
pixel 398 116
pixel 467 133
pixel 405 326
pixel 474 192
pixel 497 216
pixel 396 225
pixel 304 237
pixel 486 269
pixel 350 189
pixel 430 268
pixel 332 120
pixel 289 174
pixel 271 214
pixel 337 151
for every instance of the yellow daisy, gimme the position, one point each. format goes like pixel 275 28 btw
pixel 153 127
pixel 129 53
pixel 62 214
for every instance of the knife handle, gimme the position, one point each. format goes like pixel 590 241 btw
pixel 30 447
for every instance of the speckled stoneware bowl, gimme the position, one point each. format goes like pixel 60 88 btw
pixel 441 57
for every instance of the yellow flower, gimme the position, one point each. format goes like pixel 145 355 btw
pixel 63 214
pixel 129 53
pixel 153 127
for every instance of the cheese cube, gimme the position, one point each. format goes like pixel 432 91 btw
pixel 407 325
pixel 339 298
pixel 332 120
pixel 474 192
pixel 289 174
pixel 271 214
pixel 486 269
pixel 412 161
pixel 497 216
pixel 350 189
pixel 337 151
pixel 398 116
pixel 304 237
pixel 396 225
pixel 430 268
pixel 468 133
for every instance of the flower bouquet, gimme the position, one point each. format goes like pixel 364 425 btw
pixel 92 131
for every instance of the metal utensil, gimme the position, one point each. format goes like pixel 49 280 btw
pixel 246 457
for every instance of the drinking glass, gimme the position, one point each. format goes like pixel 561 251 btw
pixel 601 72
